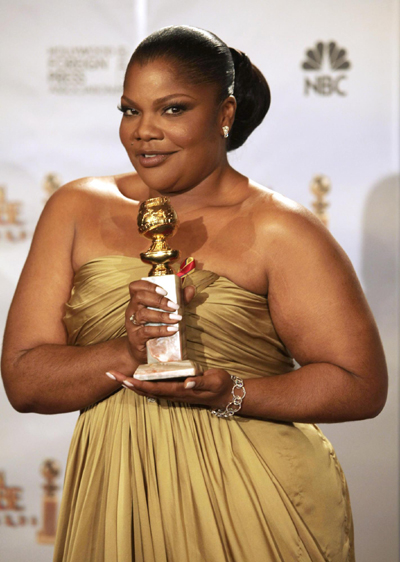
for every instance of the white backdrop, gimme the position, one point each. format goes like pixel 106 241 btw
pixel 62 66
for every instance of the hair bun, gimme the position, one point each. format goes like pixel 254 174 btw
pixel 253 98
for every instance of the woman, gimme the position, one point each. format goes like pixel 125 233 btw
pixel 166 479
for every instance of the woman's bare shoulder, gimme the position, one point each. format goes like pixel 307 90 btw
pixel 88 188
pixel 268 200
pixel 82 196
pixel 288 232
pixel 276 213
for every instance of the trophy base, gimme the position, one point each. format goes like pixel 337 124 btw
pixel 169 370
pixel 42 538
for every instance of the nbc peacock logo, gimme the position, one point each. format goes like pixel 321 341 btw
pixel 328 61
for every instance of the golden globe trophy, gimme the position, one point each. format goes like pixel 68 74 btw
pixel 166 356
pixel 320 186
pixel 50 470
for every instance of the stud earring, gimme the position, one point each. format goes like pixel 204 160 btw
pixel 225 129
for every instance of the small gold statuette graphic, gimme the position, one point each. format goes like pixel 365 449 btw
pixel 166 356
pixel 320 186
pixel 50 470
pixel 11 225
pixel 51 183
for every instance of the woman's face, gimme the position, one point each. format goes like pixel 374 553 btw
pixel 171 129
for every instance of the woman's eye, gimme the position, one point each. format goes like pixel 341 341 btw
pixel 128 111
pixel 175 109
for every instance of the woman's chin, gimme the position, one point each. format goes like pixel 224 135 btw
pixel 163 185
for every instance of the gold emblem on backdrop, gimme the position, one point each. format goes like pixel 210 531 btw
pixel 50 470
pixel 11 508
pixel 11 224
pixel 320 186
pixel 51 183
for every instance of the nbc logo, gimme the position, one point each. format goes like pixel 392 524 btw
pixel 325 57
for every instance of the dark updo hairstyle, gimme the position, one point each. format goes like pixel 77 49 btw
pixel 205 59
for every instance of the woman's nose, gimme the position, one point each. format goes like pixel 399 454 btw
pixel 146 129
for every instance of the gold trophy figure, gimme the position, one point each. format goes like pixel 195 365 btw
pixel 320 186
pixel 166 356
pixel 50 470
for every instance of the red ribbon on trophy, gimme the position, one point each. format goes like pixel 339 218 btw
pixel 186 267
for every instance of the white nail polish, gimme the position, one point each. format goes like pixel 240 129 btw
pixel 111 376
pixel 172 329
pixel 190 384
pixel 175 317
pixel 161 291
pixel 127 383
pixel 173 305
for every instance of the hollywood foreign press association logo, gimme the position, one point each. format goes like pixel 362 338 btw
pixel 90 69
pixel 329 64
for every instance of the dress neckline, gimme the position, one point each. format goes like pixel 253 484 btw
pixel 135 258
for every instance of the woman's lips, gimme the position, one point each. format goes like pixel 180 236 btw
pixel 152 160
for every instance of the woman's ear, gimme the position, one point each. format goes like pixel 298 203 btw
pixel 227 112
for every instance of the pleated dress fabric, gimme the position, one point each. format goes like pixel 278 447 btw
pixel 169 482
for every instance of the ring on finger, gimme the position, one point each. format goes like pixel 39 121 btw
pixel 133 319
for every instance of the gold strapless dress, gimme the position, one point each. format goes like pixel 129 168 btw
pixel 168 482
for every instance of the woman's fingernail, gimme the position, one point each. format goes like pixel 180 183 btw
pixel 127 383
pixel 161 291
pixel 111 376
pixel 173 305
pixel 190 384
pixel 172 329
pixel 175 317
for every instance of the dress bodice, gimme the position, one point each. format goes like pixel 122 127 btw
pixel 227 326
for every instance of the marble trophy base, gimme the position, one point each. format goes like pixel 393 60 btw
pixel 166 356
pixel 164 371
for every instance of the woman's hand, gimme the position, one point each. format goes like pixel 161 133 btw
pixel 144 296
pixel 212 389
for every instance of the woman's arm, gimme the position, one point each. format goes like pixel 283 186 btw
pixel 41 372
pixel 320 313
pixel 53 379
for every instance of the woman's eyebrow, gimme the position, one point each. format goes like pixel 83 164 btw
pixel 160 100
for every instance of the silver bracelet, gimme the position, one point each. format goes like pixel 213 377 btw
pixel 234 406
